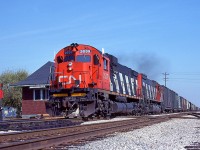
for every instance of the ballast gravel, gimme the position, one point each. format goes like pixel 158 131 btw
pixel 103 121
pixel 171 135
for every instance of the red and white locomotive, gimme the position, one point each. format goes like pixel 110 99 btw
pixel 86 82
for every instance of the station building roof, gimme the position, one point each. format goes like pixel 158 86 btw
pixel 40 78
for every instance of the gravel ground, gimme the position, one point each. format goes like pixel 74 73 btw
pixel 171 135
pixel 103 121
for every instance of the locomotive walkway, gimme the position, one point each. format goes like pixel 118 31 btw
pixel 65 136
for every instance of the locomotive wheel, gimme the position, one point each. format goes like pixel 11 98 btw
pixel 85 118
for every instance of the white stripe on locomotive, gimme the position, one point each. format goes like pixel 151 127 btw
pixel 116 82
pixel 133 87
pixel 128 85
pixel 122 83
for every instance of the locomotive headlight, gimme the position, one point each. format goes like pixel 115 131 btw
pixel 70 64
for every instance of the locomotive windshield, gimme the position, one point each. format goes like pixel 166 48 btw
pixel 69 58
pixel 69 55
pixel 83 58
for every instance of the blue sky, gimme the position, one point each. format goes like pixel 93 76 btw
pixel 149 36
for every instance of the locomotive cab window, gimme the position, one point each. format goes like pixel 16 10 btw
pixel 59 59
pixel 96 59
pixel 83 58
pixel 105 64
pixel 69 58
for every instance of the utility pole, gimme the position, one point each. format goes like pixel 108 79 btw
pixel 165 77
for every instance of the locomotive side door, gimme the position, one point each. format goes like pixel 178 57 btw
pixel 96 78
pixel 101 72
pixel 106 74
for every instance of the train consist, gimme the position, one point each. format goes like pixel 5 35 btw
pixel 86 82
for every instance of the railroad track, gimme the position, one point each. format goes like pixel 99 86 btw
pixel 194 146
pixel 50 138
pixel 29 124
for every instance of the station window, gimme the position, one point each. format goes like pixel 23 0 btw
pixel 40 94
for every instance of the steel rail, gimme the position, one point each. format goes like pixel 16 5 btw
pixel 47 138
pixel 48 141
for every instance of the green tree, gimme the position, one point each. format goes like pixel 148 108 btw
pixel 13 95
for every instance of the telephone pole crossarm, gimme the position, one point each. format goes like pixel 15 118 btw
pixel 165 77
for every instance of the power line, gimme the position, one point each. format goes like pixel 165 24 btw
pixel 193 79
pixel 185 73
pixel 186 76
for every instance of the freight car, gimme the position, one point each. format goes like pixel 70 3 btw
pixel 86 82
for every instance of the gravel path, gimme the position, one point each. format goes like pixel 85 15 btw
pixel 171 135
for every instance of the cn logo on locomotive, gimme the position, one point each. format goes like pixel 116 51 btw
pixel 70 78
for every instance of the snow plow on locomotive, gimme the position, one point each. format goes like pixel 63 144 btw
pixel 86 82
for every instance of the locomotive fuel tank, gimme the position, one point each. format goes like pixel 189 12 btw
pixel 125 108
pixel 154 109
